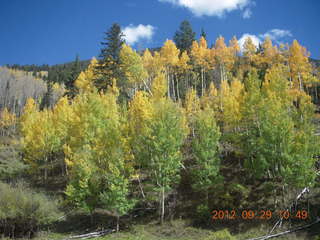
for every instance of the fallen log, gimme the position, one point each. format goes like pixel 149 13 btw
pixel 288 231
pixel 91 235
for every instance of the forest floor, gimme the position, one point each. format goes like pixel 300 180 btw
pixel 183 230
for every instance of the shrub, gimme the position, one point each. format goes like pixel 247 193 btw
pixel 203 215
pixel 11 165
pixel 220 235
pixel 23 211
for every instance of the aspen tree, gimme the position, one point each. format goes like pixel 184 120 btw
pixel 170 57
pixel 85 80
pixel 300 67
pixel 7 122
pixel 201 56
pixel 132 67
pixel 95 154
pixel 205 148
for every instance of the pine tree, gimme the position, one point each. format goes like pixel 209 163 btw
pixel 109 58
pixel 73 75
pixel 184 37
pixel 47 100
pixel 203 34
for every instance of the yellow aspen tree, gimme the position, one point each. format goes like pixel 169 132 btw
pixel 234 50
pixel 85 80
pixel 268 56
pixel 150 65
pixel 140 114
pixel 192 106
pixel 299 64
pixel 7 122
pixel 170 57
pixel 96 155
pixel 182 69
pixel 237 93
pixel 39 139
pixel 159 87
pixel 132 66
pixel 62 116
pixel 234 46
pixel 201 56
pixel 211 99
pixel 231 100
pixel 223 57
pixel 276 82
pixel 249 51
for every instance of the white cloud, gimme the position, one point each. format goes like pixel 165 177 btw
pixel 274 34
pixel 133 34
pixel 247 13
pixel 255 40
pixel 210 7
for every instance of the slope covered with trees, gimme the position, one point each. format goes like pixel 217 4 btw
pixel 211 124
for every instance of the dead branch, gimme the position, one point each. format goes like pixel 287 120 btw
pixel 288 231
pixel 92 235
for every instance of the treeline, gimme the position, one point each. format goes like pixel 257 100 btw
pixel 60 73
pixel 133 128
pixel 17 86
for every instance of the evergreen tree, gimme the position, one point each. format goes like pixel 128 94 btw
pixel 203 34
pixel 184 36
pixel 47 100
pixel 109 58
pixel 73 75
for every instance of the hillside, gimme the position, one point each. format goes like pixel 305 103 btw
pixel 183 142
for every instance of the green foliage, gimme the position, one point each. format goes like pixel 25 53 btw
pixel 96 155
pixel 205 150
pixel 185 36
pixel 278 140
pixel 11 164
pixel 167 133
pixel 203 214
pixel 23 211
pixel 220 235
pixel 109 58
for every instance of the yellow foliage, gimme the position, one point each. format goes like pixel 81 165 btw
pixel 249 49
pixel 299 64
pixel 7 119
pixel 201 53
pixel 169 53
pixel 234 46
pixel 231 99
pixel 132 65
pixel 210 99
pixel 159 86
pixel 183 62
pixel 192 103
pixel 84 82
pixel 140 111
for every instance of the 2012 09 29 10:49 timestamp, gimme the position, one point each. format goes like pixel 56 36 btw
pixel 258 214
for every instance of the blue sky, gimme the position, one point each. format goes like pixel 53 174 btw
pixel 54 31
